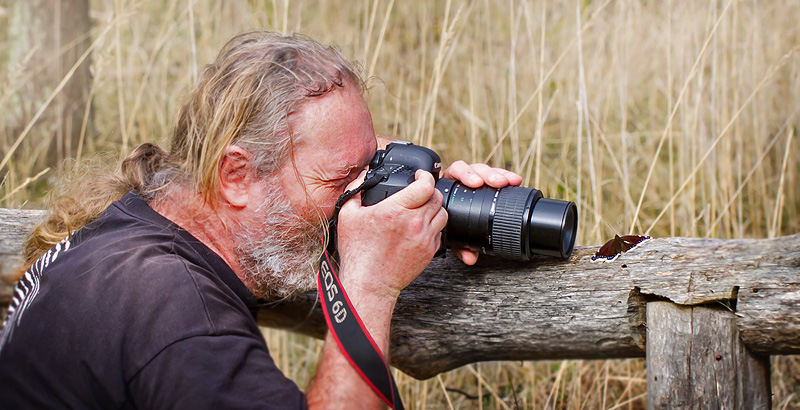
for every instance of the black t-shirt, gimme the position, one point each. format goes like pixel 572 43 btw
pixel 134 312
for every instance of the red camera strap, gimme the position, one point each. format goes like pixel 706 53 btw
pixel 346 326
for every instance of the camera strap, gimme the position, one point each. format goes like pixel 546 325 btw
pixel 345 325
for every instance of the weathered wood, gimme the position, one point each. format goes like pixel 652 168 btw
pixel 15 224
pixel 696 359
pixel 551 309
pixel 669 343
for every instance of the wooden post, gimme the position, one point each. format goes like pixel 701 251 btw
pixel 696 360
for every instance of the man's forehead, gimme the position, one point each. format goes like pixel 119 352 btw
pixel 335 132
pixel 341 104
pixel 344 157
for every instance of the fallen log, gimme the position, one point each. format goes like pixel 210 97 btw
pixel 548 309
pixel 15 224
pixel 553 309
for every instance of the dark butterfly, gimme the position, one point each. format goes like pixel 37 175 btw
pixel 619 244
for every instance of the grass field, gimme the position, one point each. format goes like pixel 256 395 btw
pixel 671 118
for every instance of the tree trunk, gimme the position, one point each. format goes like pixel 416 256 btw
pixel 47 38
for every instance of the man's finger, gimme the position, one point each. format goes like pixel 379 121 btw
pixel 355 200
pixel 358 181
pixel 490 176
pixel 476 175
pixel 512 177
pixel 461 171
pixel 418 193
pixel 467 256
pixel 352 204
pixel 439 220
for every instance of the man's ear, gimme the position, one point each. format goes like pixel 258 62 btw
pixel 235 178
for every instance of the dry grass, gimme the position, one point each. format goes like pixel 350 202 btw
pixel 668 117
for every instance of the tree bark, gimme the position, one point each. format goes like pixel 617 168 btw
pixel 548 309
pixel 553 309
pixel 15 224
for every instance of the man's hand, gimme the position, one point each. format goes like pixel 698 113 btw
pixel 382 248
pixel 390 243
pixel 475 176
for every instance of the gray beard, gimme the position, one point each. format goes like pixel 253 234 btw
pixel 279 251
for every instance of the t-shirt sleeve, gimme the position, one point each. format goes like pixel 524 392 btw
pixel 214 372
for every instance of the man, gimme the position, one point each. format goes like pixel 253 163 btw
pixel 150 305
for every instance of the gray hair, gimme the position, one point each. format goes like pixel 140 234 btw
pixel 245 98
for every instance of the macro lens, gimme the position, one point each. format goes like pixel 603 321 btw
pixel 511 222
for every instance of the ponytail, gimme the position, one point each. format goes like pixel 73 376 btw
pixel 139 168
pixel 83 192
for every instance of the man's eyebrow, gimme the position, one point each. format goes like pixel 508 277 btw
pixel 346 170
pixel 358 166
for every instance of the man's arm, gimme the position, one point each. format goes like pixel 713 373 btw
pixel 336 384
pixel 382 249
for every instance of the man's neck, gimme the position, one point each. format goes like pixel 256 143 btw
pixel 202 221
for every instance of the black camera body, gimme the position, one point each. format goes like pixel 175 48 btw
pixel 511 222
pixel 396 166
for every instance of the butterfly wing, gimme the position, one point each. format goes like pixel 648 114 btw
pixel 629 241
pixel 610 248
pixel 618 245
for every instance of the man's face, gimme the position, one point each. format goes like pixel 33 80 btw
pixel 336 142
pixel 280 245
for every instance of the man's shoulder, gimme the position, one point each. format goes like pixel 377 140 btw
pixel 134 244
pixel 133 268
pixel 112 297
pixel 152 268
pixel 128 255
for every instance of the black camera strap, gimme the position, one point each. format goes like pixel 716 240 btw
pixel 345 325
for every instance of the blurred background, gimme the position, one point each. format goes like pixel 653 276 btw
pixel 670 118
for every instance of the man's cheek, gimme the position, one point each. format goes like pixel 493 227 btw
pixel 328 210
pixel 326 203
pixel 313 211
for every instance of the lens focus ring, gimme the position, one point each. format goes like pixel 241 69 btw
pixel 508 222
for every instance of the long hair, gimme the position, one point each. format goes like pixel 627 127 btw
pixel 243 98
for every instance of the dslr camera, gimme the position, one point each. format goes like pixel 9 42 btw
pixel 511 222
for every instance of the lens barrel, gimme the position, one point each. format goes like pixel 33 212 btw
pixel 511 222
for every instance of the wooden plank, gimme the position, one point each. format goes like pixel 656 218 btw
pixel 551 309
pixel 725 373
pixel 669 348
pixel 696 359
